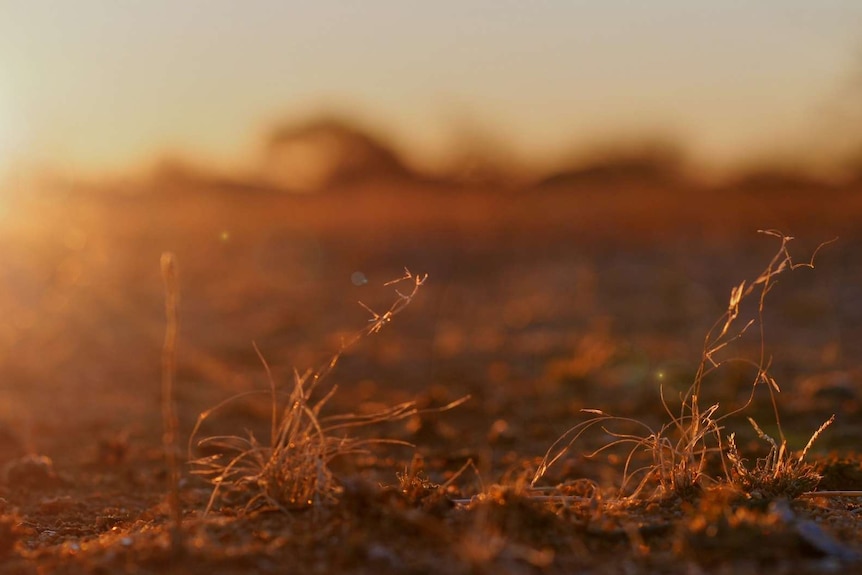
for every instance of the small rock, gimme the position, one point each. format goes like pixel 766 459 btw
pixel 30 470
pixel 56 505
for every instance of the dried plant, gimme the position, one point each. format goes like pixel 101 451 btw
pixel 292 471
pixel 781 472
pixel 169 416
pixel 674 457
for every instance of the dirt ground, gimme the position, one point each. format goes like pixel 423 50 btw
pixel 538 304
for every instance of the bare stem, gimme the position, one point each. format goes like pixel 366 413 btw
pixel 169 416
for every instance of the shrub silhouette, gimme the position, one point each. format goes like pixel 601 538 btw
pixel 326 151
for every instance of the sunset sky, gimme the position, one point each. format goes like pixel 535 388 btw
pixel 102 85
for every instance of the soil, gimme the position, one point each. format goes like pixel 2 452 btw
pixel 538 304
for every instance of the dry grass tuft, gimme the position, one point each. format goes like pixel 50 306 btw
pixel 674 459
pixel 292 471
pixel 780 473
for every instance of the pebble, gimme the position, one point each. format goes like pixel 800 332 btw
pixel 30 470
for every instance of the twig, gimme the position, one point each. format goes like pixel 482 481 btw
pixel 813 494
pixel 169 416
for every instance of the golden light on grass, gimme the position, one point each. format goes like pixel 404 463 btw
pixel 673 459
pixel 292 470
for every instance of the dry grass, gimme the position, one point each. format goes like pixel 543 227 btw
pixel 780 473
pixel 674 459
pixel 292 471
pixel 110 515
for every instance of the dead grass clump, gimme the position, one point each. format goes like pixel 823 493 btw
pixel 676 458
pixel 421 492
pixel 292 471
pixel 780 473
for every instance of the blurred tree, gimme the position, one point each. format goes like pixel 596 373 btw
pixel 654 161
pixel 326 151
pixel 479 155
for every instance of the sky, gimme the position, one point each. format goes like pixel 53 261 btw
pixel 104 85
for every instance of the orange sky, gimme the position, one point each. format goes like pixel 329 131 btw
pixel 98 85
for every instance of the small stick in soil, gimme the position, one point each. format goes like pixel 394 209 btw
pixel 813 494
pixel 169 416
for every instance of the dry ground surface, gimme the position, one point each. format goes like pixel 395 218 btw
pixel 538 304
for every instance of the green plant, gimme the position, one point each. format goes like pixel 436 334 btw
pixel 674 458
pixel 292 470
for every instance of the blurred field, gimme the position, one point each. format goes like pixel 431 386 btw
pixel 540 302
